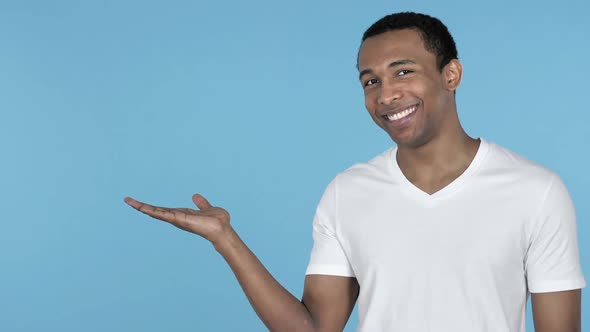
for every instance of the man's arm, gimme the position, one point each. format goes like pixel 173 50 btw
pixel 330 300
pixel 557 311
pixel 327 300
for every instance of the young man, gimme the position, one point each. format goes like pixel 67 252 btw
pixel 441 233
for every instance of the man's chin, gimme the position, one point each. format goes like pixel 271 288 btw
pixel 407 141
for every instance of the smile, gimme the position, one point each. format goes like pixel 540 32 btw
pixel 402 114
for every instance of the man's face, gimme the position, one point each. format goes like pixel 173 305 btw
pixel 405 93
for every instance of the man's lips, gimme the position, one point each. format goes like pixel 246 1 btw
pixel 399 113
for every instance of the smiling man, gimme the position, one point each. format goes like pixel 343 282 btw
pixel 442 232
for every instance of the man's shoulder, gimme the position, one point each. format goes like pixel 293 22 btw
pixel 512 170
pixel 502 159
pixel 377 167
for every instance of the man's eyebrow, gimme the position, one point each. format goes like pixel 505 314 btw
pixel 401 63
pixel 364 72
pixel 391 65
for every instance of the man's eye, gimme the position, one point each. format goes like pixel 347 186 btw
pixel 403 72
pixel 371 82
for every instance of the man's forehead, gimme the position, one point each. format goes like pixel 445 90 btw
pixel 391 46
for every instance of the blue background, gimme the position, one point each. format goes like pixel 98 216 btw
pixel 254 104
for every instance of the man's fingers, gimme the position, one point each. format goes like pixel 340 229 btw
pixel 133 203
pixel 174 216
pixel 143 207
pixel 201 202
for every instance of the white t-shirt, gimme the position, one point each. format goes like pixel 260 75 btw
pixel 462 259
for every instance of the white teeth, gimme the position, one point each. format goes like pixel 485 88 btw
pixel 402 114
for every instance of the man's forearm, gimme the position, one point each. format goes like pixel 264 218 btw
pixel 276 307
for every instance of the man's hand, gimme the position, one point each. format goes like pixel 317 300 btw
pixel 209 222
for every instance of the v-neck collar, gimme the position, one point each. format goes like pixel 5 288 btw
pixel 449 189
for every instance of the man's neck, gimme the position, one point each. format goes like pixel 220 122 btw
pixel 434 165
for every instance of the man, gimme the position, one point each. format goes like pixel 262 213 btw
pixel 441 233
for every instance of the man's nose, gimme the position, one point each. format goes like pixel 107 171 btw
pixel 389 93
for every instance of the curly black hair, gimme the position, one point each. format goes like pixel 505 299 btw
pixel 437 38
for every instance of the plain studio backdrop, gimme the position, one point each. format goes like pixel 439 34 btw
pixel 256 105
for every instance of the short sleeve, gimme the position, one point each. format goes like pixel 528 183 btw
pixel 552 261
pixel 327 255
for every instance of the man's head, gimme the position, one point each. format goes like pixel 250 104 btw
pixel 434 33
pixel 409 72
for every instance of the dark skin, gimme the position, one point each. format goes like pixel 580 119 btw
pixel 433 148
pixel 397 74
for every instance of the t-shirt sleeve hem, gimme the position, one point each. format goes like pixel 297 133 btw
pixel 556 286
pixel 332 270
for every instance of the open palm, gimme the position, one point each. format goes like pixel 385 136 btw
pixel 209 221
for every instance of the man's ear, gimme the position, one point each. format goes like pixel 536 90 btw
pixel 452 74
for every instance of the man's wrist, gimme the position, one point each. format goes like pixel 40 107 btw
pixel 227 241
